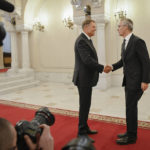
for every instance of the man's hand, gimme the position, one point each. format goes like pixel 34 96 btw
pixel 29 142
pixel 144 86
pixel 45 142
pixel 107 69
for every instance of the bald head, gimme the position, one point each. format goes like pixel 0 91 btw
pixel 7 135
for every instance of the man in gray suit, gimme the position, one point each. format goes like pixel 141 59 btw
pixel 86 73
pixel 136 68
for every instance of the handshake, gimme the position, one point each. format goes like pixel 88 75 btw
pixel 107 69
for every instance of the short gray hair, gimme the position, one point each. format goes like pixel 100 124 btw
pixel 128 22
pixel 87 22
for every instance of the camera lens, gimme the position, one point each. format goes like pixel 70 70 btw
pixel 44 116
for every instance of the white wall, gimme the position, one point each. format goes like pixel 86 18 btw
pixel 138 11
pixel 53 50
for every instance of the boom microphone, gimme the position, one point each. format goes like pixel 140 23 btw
pixel 6 6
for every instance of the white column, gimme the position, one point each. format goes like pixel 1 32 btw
pixel 104 79
pixel 101 42
pixel 26 66
pixel 14 53
pixel 78 21
pixel 1 58
pixel 79 29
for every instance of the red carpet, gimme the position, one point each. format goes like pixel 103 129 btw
pixel 65 128
pixel 3 70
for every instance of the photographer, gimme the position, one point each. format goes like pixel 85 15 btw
pixel 46 141
pixel 8 137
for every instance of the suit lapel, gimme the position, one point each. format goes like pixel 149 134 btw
pixel 89 43
pixel 129 45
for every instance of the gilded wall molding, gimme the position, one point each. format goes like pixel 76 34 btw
pixel 24 27
pixel 96 3
pixel 99 18
pixel 79 4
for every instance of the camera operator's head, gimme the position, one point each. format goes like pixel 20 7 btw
pixel 2 33
pixel 80 143
pixel 8 7
pixel 8 135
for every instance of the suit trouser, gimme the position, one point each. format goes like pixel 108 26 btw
pixel 132 97
pixel 85 94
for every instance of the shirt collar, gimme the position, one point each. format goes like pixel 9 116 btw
pixel 86 35
pixel 127 38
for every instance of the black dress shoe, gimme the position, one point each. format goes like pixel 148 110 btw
pixel 86 136
pixel 92 131
pixel 126 140
pixel 122 135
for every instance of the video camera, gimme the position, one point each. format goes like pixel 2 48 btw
pixel 32 129
pixel 6 6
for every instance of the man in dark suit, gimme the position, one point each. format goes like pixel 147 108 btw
pixel 136 68
pixel 86 73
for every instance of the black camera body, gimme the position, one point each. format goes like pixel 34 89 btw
pixel 32 129
pixel 79 143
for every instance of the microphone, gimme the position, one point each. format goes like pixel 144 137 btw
pixel 6 6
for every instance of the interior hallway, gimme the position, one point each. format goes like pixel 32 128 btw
pixel 65 96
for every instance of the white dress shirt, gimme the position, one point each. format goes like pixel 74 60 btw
pixel 86 35
pixel 127 38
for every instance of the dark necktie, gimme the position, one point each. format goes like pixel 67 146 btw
pixel 93 48
pixel 91 43
pixel 123 45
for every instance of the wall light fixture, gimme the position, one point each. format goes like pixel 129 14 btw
pixel 68 22
pixel 120 14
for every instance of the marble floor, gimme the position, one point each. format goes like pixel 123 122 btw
pixel 65 96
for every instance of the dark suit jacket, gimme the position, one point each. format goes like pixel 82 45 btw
pixel 135 62
pixel 87 68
